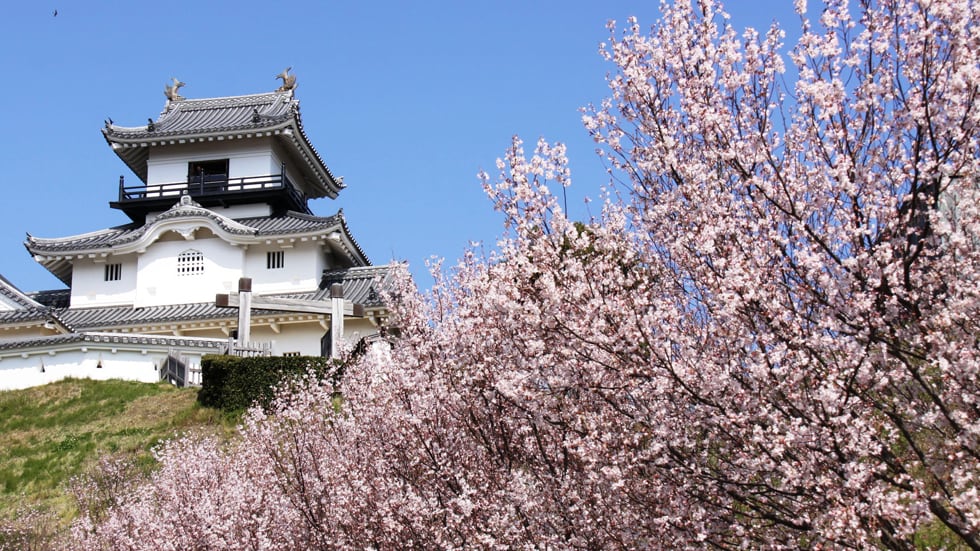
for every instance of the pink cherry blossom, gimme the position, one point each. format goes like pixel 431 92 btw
pixel 768 338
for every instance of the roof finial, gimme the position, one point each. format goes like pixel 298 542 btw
pixel 171 90
pixel 288 81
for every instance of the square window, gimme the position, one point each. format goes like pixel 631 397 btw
pixel 113 272
pixel 275 260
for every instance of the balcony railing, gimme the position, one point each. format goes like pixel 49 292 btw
pixel 205 186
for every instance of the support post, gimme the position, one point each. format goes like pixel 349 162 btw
pixel 244 310
pixel 336 318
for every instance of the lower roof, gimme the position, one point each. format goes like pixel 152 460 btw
pixel 57 254
pixel 121 339
pixel 362 285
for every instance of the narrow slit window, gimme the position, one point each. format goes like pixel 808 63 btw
pixel 190 262
pixel 275 260
pixel 113 272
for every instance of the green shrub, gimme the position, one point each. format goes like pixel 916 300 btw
pixel 233 383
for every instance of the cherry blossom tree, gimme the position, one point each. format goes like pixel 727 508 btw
pixel 768 337
pixel 821 240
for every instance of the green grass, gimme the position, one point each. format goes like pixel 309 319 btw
pixel 52 433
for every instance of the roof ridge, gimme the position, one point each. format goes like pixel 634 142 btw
pixel 241 96
pixel 218 103
pixel 173 107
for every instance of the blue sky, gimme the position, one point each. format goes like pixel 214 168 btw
pixel 406 101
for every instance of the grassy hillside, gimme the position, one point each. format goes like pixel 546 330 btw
pixel 49 434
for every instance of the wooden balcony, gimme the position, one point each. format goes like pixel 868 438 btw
pixel 209 191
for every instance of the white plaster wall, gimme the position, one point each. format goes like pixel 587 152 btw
pixel 305 337
pixel 19 372
pixel 302 269
pixel 89 287
pixel 322 262
pixel 293 172
pixel 251 210
pixel 81 360
pixel 158 282
pixel 357 329
pixel 246 157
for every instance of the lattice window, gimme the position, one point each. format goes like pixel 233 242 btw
pixel 113 272
pixel 275 260
pixel 190 262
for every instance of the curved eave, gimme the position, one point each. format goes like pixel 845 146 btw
pixel 58 265
pixel 344 242
pixel 326 185
pixel 59 260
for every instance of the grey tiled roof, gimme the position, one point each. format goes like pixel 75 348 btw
pixel 256 115
pixel 110 338
pixel 188 117
pixel 362 285
pixel 24 316
pixel 55 253
pixel 27 309
pixel 54 298
pixel 14 294
pixel 118 316
pixel 289 223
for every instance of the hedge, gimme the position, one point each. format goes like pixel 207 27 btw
pixel 233 383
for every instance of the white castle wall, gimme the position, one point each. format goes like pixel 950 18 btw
pixel 303 266
pixel 89 287
pixel 245 158
pixel 151 278
pixel 83 361
pixel 159 283
pixel 304 338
